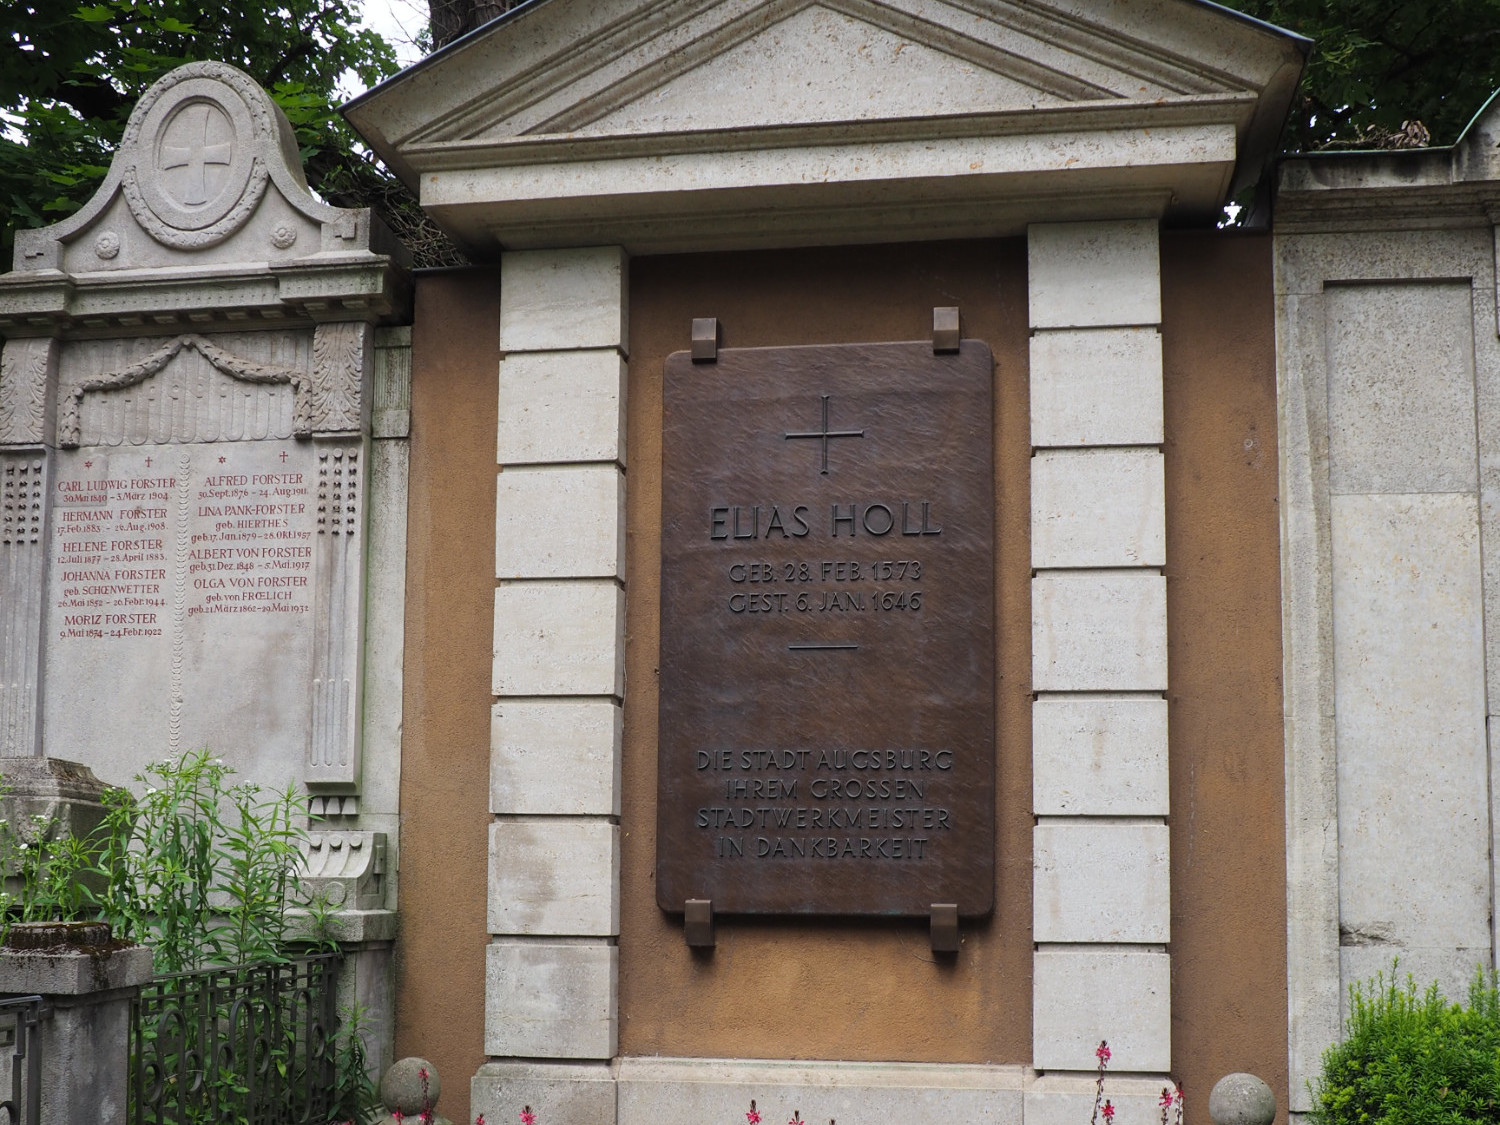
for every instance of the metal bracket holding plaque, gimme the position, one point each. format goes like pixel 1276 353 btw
pixel 943 925
pixel 945 331
pixel 705 339
pixel 698 923
pixel 827 723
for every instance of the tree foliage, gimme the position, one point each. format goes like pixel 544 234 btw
pixel 72 70
pixel 1388 73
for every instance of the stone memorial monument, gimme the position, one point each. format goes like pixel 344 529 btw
pixel 185 398
pixel 202 395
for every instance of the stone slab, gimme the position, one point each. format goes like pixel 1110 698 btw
pixel 559 638
pixel 560 522
pixel 554 877
pixel 1082 275
pixel 693 1091
pixel 1408 667
pixel 1099 757
pixel 555 757
pixel 1098 508
pixel 550 999
pixel 1401 387
pixel 1100 883
pixel 1098 631
pixel 181 603
pixel 1080 996
pixel 1096 386
pixel 554 300
pixel 1068 1099
pixel 562 407
pixel 72 972
pixel 563 1093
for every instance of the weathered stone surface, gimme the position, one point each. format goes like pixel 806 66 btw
pixel 1080 996
pixel 1408 665
pixel 690 1091
pixel 72 972
pixel 1099 757
pixel 1098 631
pixel 549 876
pixel 1241 1099
pixel 1100 883
pixel 559 638
pixel 1068 1099
pixel 410 1086
pixel 577 1093
pixel 1082 275
pixel 1098 508
pixel 564 299
pixel 551 999
pixel 1096 386
pixel 555 757
pixel 562 407
pixel 563 522
pixel 1401 388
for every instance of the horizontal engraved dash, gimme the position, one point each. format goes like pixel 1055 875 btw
pixel 812 646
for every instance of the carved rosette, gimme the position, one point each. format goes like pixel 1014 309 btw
pixel 26 370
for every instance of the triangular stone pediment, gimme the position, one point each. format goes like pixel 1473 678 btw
pixel 736 65
pixel 605 108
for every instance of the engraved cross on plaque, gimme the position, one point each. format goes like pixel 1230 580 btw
pixel 195 156
pixel 825 433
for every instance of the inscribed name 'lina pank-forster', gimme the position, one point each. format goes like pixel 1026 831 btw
pixel 827 654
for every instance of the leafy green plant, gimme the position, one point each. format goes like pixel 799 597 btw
pixel 200 870
pixel 1413 1059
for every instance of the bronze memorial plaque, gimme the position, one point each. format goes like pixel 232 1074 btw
pixel 827 738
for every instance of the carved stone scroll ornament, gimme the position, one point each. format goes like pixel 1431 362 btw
pixel 23 391
pixel 69 425
pixel 341 351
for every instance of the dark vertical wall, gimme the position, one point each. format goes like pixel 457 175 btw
pixel 1228 947
pixel 445 744
pixel 798 989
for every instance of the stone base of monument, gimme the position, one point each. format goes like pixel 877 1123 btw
pixel 86 981
pixel 66 795
pixel 346 872
pixel 48 798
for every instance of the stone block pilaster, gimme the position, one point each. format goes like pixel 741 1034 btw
pixel 554 872
pixel 1101 882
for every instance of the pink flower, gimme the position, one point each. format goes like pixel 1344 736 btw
pixel 527 1117
pixel 1102 1052
pixel 1109 1112
pixel 753 1117
pixel 479 1120
pixel 796 1117
pixel 398 1115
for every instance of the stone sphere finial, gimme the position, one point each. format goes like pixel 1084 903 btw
pixel 1241 1099
pixel 402 1089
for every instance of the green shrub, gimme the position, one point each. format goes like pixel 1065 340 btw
pixel 1410 1059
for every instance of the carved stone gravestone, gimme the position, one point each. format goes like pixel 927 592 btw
pixel 185 396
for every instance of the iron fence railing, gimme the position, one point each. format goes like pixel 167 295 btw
pixel 245 1045
pixel 21 1034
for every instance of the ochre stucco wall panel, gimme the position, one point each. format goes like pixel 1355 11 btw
pixel 445 745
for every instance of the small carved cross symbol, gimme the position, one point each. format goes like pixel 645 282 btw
pixel 825 433
pixel 148 462
pixel 88 464
pixel 196 155
pixel 283 456
pixel 221 460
